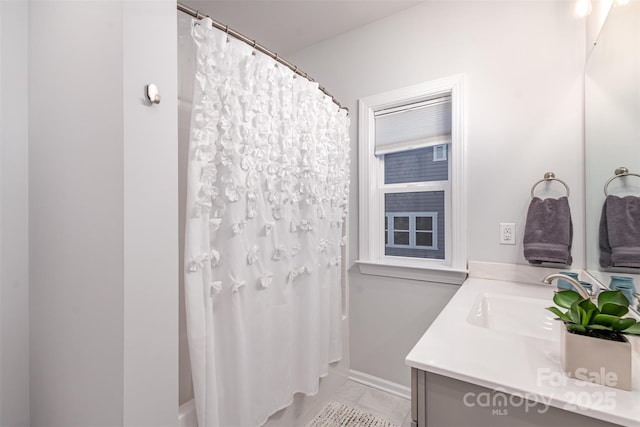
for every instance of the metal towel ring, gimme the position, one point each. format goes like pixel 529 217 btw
pixel 619 173
pixel 550 176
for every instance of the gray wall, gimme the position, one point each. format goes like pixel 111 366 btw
pixel 103 214
pixel 388 316
pixel 76 213
pixel 523 63
pixel 150 212
pixel 14 280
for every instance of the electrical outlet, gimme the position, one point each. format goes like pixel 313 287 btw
pixel 507 233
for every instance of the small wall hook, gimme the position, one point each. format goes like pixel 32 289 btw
pixel 153 93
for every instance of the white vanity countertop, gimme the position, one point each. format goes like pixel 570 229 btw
pixel 527 366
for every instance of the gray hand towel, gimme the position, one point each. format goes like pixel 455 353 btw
pixel 548 231
pixel 620 232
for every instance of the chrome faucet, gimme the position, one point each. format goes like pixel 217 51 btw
pixel 581 290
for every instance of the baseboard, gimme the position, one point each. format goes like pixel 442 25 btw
pixel 380 384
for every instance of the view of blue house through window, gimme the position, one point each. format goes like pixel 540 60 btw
pixel 414 230
pixel 415 220
pixel 414 224
pixel 415 166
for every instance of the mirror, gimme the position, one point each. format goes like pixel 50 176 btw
pixel 612 126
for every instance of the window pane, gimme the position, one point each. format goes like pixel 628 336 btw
pixel 424 223
pixel 414 166
pixel 401 238
pixel 424 239
pixel 418 204
pixel 439 153
pixel 401 223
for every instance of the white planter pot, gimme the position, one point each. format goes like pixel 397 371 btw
pixel 596 360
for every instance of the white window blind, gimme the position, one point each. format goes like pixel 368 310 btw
pixel 419 125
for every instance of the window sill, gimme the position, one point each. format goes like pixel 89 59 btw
pixel 413 272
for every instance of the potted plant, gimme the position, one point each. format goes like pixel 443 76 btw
pixel 594 347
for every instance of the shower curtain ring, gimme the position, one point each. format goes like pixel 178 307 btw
pixel 254 48
pixel 226 30
pixel 295 72
pixel 276 58
pixel 198 14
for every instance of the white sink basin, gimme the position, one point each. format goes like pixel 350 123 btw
pixel 515 315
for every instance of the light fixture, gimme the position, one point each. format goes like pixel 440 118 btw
pixel 583 8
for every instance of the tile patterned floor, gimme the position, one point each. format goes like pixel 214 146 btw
pixel 383 405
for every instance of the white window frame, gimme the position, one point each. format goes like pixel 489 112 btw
pixel 372 258
pixel 412 229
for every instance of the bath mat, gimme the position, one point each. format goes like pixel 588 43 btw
pixel 336 414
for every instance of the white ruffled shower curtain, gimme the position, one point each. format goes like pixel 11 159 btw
pixel 267 192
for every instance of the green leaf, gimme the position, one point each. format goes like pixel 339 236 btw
pixel 604 319
pixel 600 327
pixel 614 309
pixel 566 298
pixel 589 310
pixel 562 316
pixel 622 324
pixel 574 312
pixel 583 316
pixel 612 297
pixel 576 328
pixel 633 330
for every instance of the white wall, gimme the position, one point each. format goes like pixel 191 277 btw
pixel 76 216
pixel 596 20
pixel 103 217
pixel 150 214
pixel 523 63
pixel 14 280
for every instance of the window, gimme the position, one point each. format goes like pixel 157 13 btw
pixel 411 231
pixel 411 150
pixel 439 153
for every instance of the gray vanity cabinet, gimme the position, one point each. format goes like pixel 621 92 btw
pixel 440 401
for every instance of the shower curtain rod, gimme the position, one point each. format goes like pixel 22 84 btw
pixel 196 14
